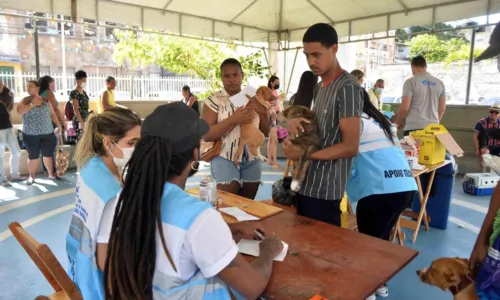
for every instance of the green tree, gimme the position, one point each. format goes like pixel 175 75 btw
pixel 429 46
pixel 183 56
pixel 405 35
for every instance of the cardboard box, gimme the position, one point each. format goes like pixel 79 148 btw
pixel 434 141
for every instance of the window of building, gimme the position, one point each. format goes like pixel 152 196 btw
pixel 89 30
pixel 69 27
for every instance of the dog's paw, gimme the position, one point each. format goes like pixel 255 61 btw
pixel 295 185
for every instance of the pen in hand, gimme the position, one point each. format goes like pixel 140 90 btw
pixel 259 235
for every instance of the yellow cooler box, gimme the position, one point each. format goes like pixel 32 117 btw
pixel 434 141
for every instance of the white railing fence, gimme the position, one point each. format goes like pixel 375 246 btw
pixel 142 87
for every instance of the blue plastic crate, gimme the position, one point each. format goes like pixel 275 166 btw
pixel 471 189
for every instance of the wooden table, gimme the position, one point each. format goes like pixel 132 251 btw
pixel 255 208
pixel 333 262
pixel 323 259
pixel 423 197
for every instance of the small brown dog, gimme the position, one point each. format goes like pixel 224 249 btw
pixel 308 142
pixel 450 274
pixel 250 135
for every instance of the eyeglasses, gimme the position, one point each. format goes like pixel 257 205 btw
pixel 494 112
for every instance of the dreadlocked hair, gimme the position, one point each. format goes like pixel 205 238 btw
pixel 375 114
pixel 131 258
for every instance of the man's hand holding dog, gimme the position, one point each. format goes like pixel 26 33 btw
pixel 294 127
pixel 291 152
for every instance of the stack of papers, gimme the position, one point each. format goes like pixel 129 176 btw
pixel 240 215
pixel 241 99
pixel 251 247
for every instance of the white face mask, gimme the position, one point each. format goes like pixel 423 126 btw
pixel 127 154
pixel 84 84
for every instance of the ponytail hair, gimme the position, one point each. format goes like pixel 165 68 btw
pixel 375 114
pixel 114 122
pixel 131 257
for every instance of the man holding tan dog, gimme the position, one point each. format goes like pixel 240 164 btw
pixel 338 104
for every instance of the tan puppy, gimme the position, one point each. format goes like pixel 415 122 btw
pixel 308 142
pixel 250 135
pixel 450 274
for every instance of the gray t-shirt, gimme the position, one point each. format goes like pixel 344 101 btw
pixel 342 98
pixel 425 91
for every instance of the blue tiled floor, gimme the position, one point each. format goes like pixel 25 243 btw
pixel 20 279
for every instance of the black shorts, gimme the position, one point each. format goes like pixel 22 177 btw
pixel 327 211
pixel 36 143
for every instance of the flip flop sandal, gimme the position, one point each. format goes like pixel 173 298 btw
pixel 19 179
pixel 5 183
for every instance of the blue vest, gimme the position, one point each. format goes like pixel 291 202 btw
pixel 95 187
pixel 381 167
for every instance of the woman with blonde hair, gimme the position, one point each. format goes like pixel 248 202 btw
pixel 102 154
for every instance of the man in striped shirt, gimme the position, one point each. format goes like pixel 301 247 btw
pixel 338 104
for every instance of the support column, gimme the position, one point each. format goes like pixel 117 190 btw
pixel 273 60
pixel 37 53
pixel 471 65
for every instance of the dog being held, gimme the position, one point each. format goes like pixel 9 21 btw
pixel 308 142
pixel 450 274
pixel 250 135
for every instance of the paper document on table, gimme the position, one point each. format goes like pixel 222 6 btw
pixel 251 247
pixel 239 214
pixel 241 99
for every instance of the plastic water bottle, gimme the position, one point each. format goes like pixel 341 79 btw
pixel 208 190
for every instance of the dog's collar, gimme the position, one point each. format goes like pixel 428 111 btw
pixel 465 281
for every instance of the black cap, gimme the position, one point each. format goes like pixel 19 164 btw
pixel 177 123
pixel 493 49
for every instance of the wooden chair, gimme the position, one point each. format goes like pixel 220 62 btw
pixel 48 264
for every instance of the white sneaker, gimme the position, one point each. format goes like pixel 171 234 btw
pixel 372 297
pixel 383 291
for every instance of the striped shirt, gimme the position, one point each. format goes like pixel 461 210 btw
pixel 342 98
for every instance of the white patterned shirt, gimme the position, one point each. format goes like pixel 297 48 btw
pixel 219 102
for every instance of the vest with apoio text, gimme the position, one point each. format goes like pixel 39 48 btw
pixel 381 167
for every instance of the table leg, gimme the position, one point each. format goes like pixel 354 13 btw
pixel 423 204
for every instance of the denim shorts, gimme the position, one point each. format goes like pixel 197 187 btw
pixel 225 171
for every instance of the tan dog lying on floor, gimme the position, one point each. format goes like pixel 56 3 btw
pixel 308 142
pixel 450 274
pixel 250 135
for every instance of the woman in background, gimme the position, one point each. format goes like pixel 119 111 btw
pixel 38 133
pixel 47 89
pixel 359 75
pixel 274 111
pixel 305 92
pixel 190 99
pixel 101 155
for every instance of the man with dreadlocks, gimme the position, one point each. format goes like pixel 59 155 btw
pixel 165 243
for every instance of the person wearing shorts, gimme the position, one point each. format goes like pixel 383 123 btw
pixel 225 120
pixel 38 133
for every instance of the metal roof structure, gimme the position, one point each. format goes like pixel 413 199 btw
pixel 262 20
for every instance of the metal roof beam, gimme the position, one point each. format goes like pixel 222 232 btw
pixel 183 14
pixel 396 12
pixel 403 5
pixel 243 11
pixel 322 12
